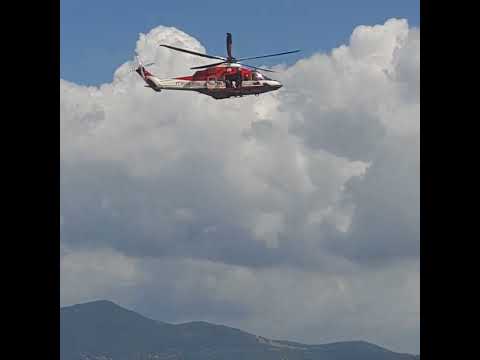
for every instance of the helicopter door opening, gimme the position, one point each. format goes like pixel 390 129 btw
pixel 211 82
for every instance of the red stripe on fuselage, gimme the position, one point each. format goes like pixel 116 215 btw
pixel 217 72
pixel 184 78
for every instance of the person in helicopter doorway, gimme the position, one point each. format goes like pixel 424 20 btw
pixel 238 78
pixel 229 80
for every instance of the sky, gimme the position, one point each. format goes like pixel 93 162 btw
pixel 292 215
pixel 97 36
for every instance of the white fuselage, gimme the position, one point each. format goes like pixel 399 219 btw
pixel 214 88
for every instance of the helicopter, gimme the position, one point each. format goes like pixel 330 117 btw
pixel 221 80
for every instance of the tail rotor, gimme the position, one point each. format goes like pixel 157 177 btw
pixel 139 66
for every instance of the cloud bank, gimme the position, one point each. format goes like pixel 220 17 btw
pixel 294 214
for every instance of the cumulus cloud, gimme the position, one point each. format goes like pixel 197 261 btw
pixel 305 199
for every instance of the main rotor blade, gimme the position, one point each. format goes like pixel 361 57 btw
pixel 209 65
pixel 193 52
pixel 229 46
pixel 264 56
pixel 254 67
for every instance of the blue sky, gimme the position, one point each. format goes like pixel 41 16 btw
pixel 98 36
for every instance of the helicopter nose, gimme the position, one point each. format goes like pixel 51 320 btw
pixel 277 85
pixel 273 84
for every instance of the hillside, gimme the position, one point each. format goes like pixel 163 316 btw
pixel 102 330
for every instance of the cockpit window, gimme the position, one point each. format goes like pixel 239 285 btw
pixel 259 76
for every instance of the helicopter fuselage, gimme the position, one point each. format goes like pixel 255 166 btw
pixel 219 82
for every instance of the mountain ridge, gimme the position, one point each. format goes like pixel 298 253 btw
pixel 103 330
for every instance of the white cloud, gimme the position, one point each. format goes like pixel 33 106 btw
pixel 307 197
